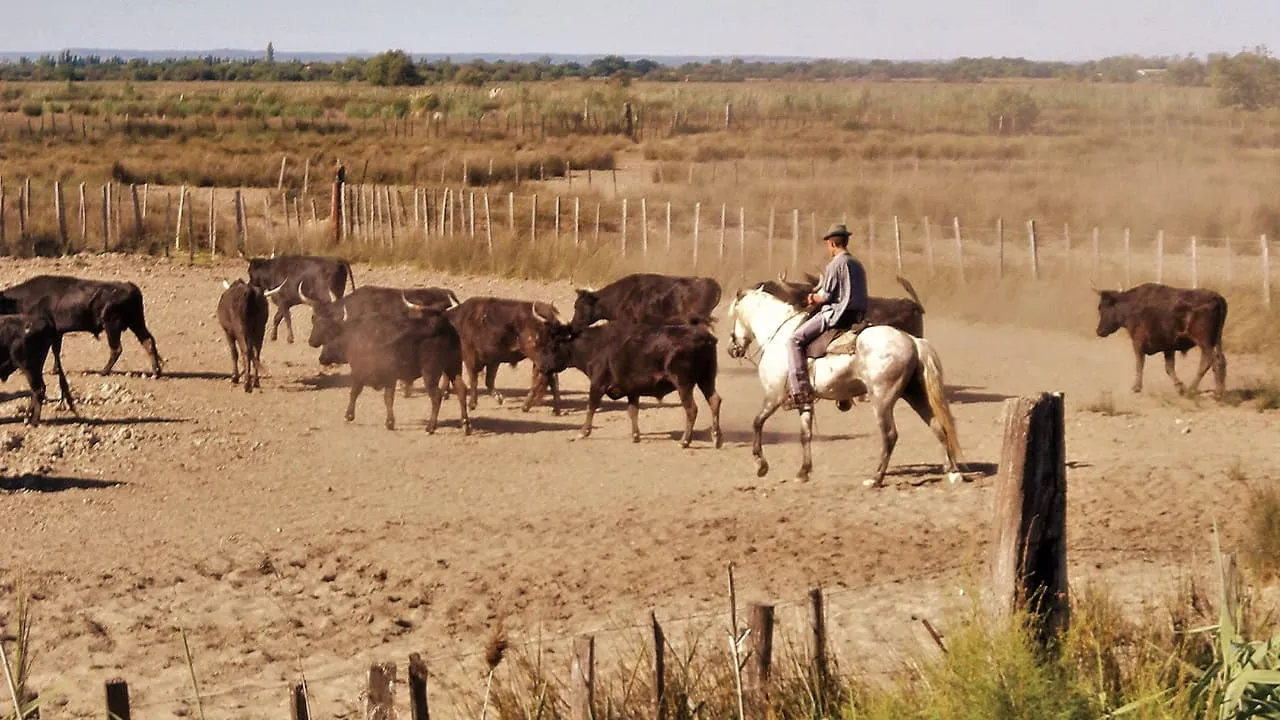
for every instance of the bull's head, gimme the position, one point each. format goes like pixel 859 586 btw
pixel 327 321
pixel 556 352
pixel 586 310
pixel 1111 311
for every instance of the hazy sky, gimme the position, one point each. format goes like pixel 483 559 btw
pixel 1038 29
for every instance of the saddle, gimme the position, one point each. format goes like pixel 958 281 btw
pixel 836 341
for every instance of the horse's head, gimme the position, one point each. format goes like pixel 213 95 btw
pixel 741 336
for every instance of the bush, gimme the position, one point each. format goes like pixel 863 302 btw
pixel 1013 111
pixel 1248 80
pixel 33 109
pixel 390 68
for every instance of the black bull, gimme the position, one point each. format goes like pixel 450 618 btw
pixel 648 299
pixel 295 275
pixel 631 361
pixel 71 304
pixel 25 341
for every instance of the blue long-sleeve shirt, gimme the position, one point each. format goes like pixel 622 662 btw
pixel 843 291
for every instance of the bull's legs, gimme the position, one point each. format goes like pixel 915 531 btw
pixel 708 388
pixel 235 358
pixel 538 386
pixel 1139 363
pixel 690 414
pixel 389 399
pixel 883 408
pixel 113 341
pixel 255 356
pixel 473 373
pixel 356 389
pixel 275 321
pixel 490 383
pixel 35 378
pixel 633 412
pixel 771 405
pixel 407 385
pixel 247 353
pixel 461 391
pixel 1173 375
pixel 1219 372
pixel 148 342
pixel 288 324
pixel 594 395
pixel 1208 357
pixel 67 401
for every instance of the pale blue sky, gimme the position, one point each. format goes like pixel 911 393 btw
pixel 896 29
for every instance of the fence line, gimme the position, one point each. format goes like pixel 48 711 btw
pixel 378 216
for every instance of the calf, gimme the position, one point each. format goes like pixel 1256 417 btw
pixel 631 361
pixel 496 331
pixel 1163 319
pixel 648 299
pixel 388 348
pixel 242 313
pixel 25 341
pixel 76 305
pixel 317 276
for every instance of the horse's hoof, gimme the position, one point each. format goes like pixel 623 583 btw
pixel 762 468
pixel 636 438
pixel 956 477
pixel 719 439
pixel 466 429
pixel 873 483
pixel 349 418
pixel 802 476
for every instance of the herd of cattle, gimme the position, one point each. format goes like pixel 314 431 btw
pixel 645 335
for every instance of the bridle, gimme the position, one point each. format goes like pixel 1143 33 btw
pixel 739 350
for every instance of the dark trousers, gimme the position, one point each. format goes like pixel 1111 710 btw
pixel 797 364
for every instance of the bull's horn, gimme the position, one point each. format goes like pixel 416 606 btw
pixel 782 276
pixel 536 315
pixel 410 304
pixel 226 285
pixel 276 289
pixel 332 297
pixel 302 294
pixel 453 301
pixel 344 313
pixel 1093 286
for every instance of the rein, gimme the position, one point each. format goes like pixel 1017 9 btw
pixel 760 346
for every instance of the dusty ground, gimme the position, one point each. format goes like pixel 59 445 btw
pixel 283 539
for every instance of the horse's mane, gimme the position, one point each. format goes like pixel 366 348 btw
pixel 790 293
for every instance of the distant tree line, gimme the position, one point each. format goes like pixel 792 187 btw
pixel 1249 79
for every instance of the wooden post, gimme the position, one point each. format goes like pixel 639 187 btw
pixel 306 176
pixel 82 215
pixel 1028 536
pixel 182 205
pixel 137 212
pixel 795 238
pixel 533 221
pixel 659 669
pixel 106 216
pixel 241 233
pixel 24 209
pixel 897 243
pixel 418 709
pixel 1160 256
pixel 380 703
pixel 146 195
pixel 1127 264
pixel 337 210
pixel 1195 263
pixel 595 239
pixel 61 211
pixel 2 203
pixel 577 214
pixel 818 641
pixel 928 244
pixel 668 227
pixel 697 223
pixel 1035 254
pixel 488 225
pixel 624 227
pixel 118 699
pixel 1266 271
pixel 557 220
pixel 955 223
pixel 511 213
pixel 724 208
pixel 582 678
pixel 760 658
pixel 300 708
pixel 471 214
pixel 191 231
pixel 213 225
pixel 1097 259
pixel 742 241
pixel 644 227
pixel 280 183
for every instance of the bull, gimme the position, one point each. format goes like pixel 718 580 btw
pixel 317 276
pixel 26 341
pixel 242 313
pixel 647 299
pixel 622 360
pixel 906 314
pixel 384 349
pixel 330 317
pixel 496 331
pixel 71 304
pixel 1163 319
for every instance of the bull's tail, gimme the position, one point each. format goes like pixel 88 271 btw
pixel 350 275
pixel 929 373
pixel 906 285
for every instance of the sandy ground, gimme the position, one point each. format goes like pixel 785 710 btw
pixel 286 541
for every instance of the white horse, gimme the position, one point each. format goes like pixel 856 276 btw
pixel 888 364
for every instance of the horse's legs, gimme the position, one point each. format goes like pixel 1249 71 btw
pixel 918 398
pixel 690 414
pixel 771 405
pixel 633 411
pixel 806 441
pixel 883 408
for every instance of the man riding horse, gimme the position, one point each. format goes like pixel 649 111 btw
pixel 840 300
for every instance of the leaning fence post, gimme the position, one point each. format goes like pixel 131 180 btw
pixel 818 641
pixel 380 703
pixel 582 678
pixel 106 216
pixel 137 213
pixel 1028 537
pixel 624 227
pixel 577 211
pixel 1035 251
pixel 697 221
pixel 488 225
pixel 418 708
pixel 533 221
pixel 644 227
pixel 659 668
pixel 118 699
pixel 955 223
pixel 182 204
pixel 300 708
pixel 760 658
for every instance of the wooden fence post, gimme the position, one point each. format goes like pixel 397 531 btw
pixel 795 239
pixel 557 220
pixel 1266 271
pixel 380 703
pixel 897 243
pixel 1160 256
pixel 1035 251
pixel 418 709
pixel 760 658
pixel 82 216
pixel 137 213
pixel 117 699
pixel 306 176
pixel 724 208
pixel 337 209
pixel 511 213
pixel 24 209
pixel 61 211
pixel 644 227
pixel 300 708
pixel 955 223
pixel 928 245
pixel 577 214
pixel 595 239
pixel 488 225
pixel 280 183
pixel 1028 538
pixel 182 204
pixel 106 216
pixel 213 224
pixel 818 641
pixel 241 230
pixel 533 221
pixel 1195 263
pixel 668 227
pixel 624 227
pixel 1127 263
pixel 2 203
pixel 659 669
pixel 582 678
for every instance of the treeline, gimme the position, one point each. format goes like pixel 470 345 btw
pixel 1248 79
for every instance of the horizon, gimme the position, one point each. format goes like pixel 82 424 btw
pixel 799 29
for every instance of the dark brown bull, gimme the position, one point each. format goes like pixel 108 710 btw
pixel 25 341
pixel 647 299
pixel 76 305
pixel 632 361
pixel 906 314
pixel 242 313
pixel 1163 319
pixel 496 331
pixel 319 277
pixel 330 317
pixel 388 348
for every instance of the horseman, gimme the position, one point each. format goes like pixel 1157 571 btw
pixel 839 301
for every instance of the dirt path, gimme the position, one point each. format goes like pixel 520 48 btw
pixel 270 530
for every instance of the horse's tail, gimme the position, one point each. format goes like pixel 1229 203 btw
pixel 929 373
